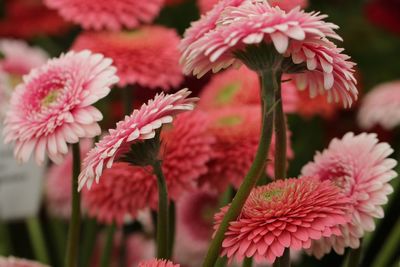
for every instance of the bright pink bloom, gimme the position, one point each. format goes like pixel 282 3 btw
pixel 206 5
pixel 140 125
pixel 359 166
pixel 237 132
pixel 140 56
pixel 381 107
pixel 15 262
pixel 241 86
pixel 296 34
pixel 53 106
pixel 287 213
pixel 157 263
pixel 111 14
pixel 194 221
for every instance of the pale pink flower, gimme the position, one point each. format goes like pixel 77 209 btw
pixel 359 166
pixel 138 248
pixel 15 262
pixel 237 132
pixel 157 263
pixel 151 48
pixel 286 213
pixel 295 34
pixel 54 105
pixel 111 14
pixel 381 107
pixel 140 125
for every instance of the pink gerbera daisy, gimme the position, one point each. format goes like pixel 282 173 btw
pixel 54 105
pixel 237 132
pixel 140 125
pixel 360 168
pixel 381 107
pixel 112 15
pixel 241 87
pixel 15 262
pixel 298 36
pixel 140 56
pixel 157 263
pixel 287 213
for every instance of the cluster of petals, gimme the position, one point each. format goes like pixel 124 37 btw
pixel 287 213
pixel 211 43
pixel 107 14
pixel 16 262
pixel 157 263
pixel 140 125
pixel 54 105
pixel 206 5
pixel 237 133
pixel 151 48
pixel 359 166
pixel 26 19
pixel 381 107
pixel 308 107
pixel 236 87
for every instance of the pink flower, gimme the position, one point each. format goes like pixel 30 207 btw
pixel 287 213
pixel 237 131
pixel 295 34
pixel 381 107
pixel 140 125
pixel 194 221
pixel 359 167
pixel 157 263
pixel 111 15
pixel 15 262
pixel 140 56
pixel 241 86
pixel 206 5
pixel 58 187
pixel 317 106
pixel 53 106
pixel 139 247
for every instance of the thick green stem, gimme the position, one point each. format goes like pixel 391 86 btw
pixel 389 249
pixel 37 240
pixel 5 240
pixel 108 246
pixel 162 217
pixel 247 262
pixel 90 230
pixel 171 232
pixel 283 261
pixel 221 262
pixel 257 169
pixel 75 221
pixel 353 257
pixel 59 235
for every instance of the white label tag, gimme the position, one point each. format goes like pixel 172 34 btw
pixel 20 186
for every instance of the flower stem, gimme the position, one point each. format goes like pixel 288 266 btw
pixel 283 261
pixel 247 262
pixel 171 232
pixel 90 230
pixel 74 226
pixel 162 217
pixel 221 262
pixel 58 234
pixel 127 99
pixel 5 240
pixel 108 246
pixel 257 169
pixel 389 249
pixel 37 240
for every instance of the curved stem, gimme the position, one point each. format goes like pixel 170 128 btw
pixel 108 246
pixel 389 249
pixel 74 226
pixel 257 169
pixel 37 240
pixel 162 217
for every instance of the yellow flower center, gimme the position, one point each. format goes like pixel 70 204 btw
pixel 50 98
pixel 227 93
pixel 230 120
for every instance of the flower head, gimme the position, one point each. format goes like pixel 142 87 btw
pixel 157 263
pixel 295 35
pixel 53 106
pixel 111 15
pixel 237 132
pixel 381 107
pixel 360 168
pixel 287 213
pixel 151 48
pixel 15 262
pixel 139 126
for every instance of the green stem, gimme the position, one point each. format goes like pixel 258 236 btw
pixel 162 217
pixel 247 262
pixel 75 221
pixel 108 246
pixel 5 240
pixel 283 261
pixel 89 241
pixel 389 249
pixel 171 225
pixel 353 257
pixel 221 262
pixel 257 169
pixel 37 240
pixel 127 99
pixel 59 236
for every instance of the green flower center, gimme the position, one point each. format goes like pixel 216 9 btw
pixel 227 93
pixel 230 120
pixel 50 98
pixel 269 195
